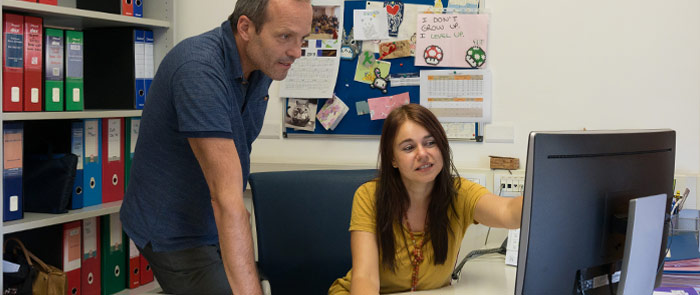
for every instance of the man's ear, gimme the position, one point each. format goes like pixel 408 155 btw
pixel 245 27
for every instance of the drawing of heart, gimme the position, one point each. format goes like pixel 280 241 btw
pixel 388 48
pixel 392 9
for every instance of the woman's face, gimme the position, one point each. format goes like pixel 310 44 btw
pixel 416 154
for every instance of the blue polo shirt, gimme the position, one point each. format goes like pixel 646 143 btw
pixel 198 91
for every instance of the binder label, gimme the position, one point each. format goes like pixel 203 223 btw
pixel 91 141
pixel 76 94
pixel 35 95
pixel 55 95
pixel 89 238
pixel 15 94
pixel 77 145
pixel 115 233
pixel 12 152
pixel 54 57
pixel 71 249
pixel 14 203
pixel 14 42
pixel 114 140
pixel 135 125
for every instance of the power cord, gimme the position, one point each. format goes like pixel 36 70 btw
pixel 477 253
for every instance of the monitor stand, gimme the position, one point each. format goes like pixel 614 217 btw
pixel 642 245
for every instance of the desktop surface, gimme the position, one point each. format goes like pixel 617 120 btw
pixel 486 274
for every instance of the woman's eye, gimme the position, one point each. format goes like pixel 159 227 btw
pixel 407 148
pixel 430 143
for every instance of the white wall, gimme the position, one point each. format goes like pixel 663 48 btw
pixel 557 65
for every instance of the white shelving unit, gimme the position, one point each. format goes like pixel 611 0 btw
pixel 158 17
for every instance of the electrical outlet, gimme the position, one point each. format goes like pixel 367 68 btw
pixel 508 185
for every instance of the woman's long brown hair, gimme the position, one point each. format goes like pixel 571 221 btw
pixel 392 198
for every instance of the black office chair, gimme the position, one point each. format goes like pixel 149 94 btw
pixel 302 220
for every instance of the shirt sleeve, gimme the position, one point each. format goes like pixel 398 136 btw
pixel 364 214
pixel 468 195
pixel 201 101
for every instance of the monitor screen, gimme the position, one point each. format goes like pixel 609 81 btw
pixel 577 190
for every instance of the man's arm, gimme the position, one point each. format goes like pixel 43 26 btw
pixel 222 169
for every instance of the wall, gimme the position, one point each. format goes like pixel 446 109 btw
pixel 557 65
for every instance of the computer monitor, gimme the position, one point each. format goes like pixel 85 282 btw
pixel 578 185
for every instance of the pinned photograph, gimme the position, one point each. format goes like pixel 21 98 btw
pixel 325 22
pixel 301 114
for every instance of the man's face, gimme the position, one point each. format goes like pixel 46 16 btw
pixel 278 44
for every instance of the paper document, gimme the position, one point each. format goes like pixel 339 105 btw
pixel 457 95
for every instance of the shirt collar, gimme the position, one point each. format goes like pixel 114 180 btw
pixel 233 60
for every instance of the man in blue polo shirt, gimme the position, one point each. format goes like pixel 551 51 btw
pixel 184 204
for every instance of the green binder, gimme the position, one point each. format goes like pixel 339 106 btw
pixel 132 133
pixel 113 266
pixel 53 70
pixel 74 71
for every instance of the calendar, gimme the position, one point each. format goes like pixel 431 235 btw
pixel 457 95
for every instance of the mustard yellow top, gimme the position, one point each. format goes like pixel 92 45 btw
pixel 430 276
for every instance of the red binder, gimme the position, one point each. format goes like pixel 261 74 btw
pixel 146 271
pixel 33 40
pixel 12 62
pixel 50 2
pixel 134 266
pixel 112 159
pixel 90 274
pixel 72 255
pixel 127 7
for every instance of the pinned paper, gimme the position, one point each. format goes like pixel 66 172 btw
pixel 452 40
pixel 380 107
pixel 407 28
pixel 366 73
pixel 395 49
pixel 332 112
pixel 370 24
pixel 362 107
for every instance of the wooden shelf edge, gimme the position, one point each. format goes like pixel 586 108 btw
pixel 30 7
pixel 21 116
pixel 33 220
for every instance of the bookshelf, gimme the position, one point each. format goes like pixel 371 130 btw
pixel 158 16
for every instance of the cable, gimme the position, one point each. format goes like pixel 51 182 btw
pixel 477 253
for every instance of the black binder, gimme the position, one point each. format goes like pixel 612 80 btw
pixel 109 6
pixel 109 68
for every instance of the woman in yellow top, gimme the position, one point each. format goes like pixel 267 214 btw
pixel 407 225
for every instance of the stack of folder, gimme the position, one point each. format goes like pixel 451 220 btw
pixel 682 263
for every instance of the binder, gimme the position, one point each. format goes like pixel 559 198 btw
pixel 92 160
pixel 12 62
pixel 49 2
pixel 146 271
pixel 77 148
pixel 33 63
pixel 150 64
pixel 138 8
pixel 12 171
pixel 140 68
pixel 132 134
pixel 112 159
pixel 72 255
pixel 134 261
pixel 90 273
pixel 53 70
pixel 114 49
pixel 108 6
pixel 74 71
pixel 113 255
pixel 127 8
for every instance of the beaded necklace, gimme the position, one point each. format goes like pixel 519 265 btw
pixel 416 256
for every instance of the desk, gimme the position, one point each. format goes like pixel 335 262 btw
pixel 487 274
